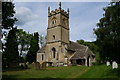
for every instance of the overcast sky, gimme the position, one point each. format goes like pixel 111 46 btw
pixel 33 17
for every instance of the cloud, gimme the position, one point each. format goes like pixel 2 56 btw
pixel 25 15
pixel 83 20
pixel 29 21
pixel 32 17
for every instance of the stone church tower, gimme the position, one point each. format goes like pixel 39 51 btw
pixel 59 50
pixel 57 34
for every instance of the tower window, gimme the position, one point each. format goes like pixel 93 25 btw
pixel 53 36
pixel 54 22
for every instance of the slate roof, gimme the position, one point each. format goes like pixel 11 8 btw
pixel 81 51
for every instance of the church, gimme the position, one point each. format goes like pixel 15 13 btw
pixel 59 50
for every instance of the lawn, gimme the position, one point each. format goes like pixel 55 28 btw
pixel 100 71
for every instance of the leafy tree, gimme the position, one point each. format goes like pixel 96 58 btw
pixel 23 39
pixel 34 47
pixel 93 47
pixel 8 18
pixel 80 41
pixel 108 33
pixel 11 54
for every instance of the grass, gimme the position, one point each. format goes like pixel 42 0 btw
pixel 101 71
pixel 98 71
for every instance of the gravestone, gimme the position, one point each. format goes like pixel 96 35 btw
pixel 23 65
pixel 114 65
pixel 37 65
pixel 108 63
pixel 43 66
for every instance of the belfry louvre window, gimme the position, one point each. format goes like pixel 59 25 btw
pixel 54 22
pixel 53 36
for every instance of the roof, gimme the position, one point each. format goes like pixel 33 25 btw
pixel 74 46
pixel 81 51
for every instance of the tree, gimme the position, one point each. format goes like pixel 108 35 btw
pixel 108 33
pixel 11 50
pixel 8 18
pixel 91 45
pixel 23 39
pixel 34 47
pixel 10 55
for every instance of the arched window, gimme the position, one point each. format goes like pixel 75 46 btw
pixel 54 20
pixel 54 52
pixel 53 36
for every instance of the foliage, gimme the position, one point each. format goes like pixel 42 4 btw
pixel 11 54
pixel 23 39
pixel 91 45
pixel 8 12
pixel 108 33
pixel 34 46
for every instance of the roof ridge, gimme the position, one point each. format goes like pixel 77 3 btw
pixel 79 44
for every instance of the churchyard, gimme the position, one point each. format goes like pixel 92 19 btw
pixel 96 71
pixel 60 57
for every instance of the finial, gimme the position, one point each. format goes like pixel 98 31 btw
pixel 48 9
pixel 59 5
pixel 68 10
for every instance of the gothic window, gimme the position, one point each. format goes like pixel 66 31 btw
pixel 54 20
pixel 54 52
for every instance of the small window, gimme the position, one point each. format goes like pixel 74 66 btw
pixel 42 57
pixel 53 36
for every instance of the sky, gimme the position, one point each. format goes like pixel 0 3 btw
pixel 83 17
